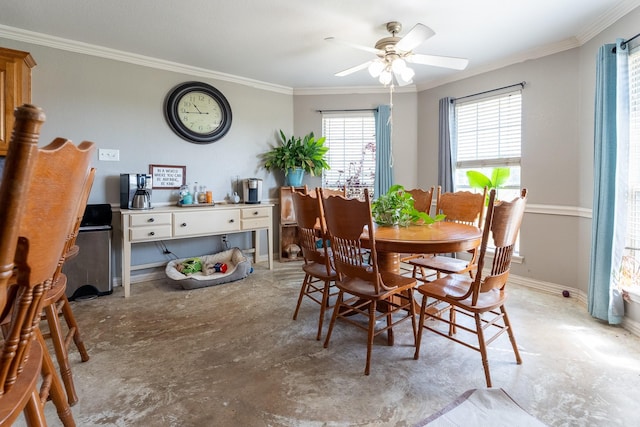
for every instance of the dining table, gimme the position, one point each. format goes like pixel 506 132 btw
pixel 438 237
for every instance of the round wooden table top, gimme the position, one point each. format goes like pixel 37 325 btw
pixel 439 237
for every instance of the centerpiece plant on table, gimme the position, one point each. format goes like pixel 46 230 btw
pixel 396 207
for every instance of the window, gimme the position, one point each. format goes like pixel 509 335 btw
pixel 351 138
pixel 488 135
pixel 631 258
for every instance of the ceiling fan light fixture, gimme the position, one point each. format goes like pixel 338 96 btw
pixel 407 74
pixel 398 65
pixel 376 67
pixel 385 77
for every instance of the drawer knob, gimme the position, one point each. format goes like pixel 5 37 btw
pixel 255 213
pixel 184 224
pixel 150 220
pixel 152 233
pixel 230 221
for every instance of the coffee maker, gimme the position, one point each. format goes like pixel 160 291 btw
pixel 252 190
pixel 135 191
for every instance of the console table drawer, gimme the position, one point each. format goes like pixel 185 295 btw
pixel 205 222
pixel 256 218
pixel 149 219
pixel 150 233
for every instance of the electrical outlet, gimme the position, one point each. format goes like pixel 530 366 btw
pixel 108 155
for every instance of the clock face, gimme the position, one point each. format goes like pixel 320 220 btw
pixel 198 112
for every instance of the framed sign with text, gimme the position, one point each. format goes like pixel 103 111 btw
pixel 167 176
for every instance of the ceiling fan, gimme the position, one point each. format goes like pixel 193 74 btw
pixel 394 52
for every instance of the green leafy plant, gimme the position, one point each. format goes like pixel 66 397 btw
pixel 396 208
pixel 499 176
pixel 307 153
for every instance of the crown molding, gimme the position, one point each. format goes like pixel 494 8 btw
pixel 132 58
pixel 354 90
pixel 606 20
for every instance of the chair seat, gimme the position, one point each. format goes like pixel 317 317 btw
pixel 319 271
pixel 363 289
pixel 443 264
pixel 454 286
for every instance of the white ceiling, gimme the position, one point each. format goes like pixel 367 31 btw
pixel 281 42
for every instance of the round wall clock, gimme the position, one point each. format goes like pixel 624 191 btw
pixel 197 112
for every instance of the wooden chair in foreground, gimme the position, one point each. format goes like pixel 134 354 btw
pixel 370 291
pixel 38 197
pixel 318 272
pixel 482 298
pixel 463 207
pixel 56 303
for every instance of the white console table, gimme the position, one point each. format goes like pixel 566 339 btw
pixel 175 222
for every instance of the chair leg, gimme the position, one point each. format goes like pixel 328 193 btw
pixel 512 337
pixel 483 349
pixel 370 334
pixel 34 411
pixel 390 336
pixel 334 316
pixel 59 346
pixel 423 315
pixel 52 387
pixel 303 290
pixel 74 330
pixel 323 307
pixel 412 313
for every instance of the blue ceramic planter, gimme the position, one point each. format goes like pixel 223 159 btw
pixel 294 177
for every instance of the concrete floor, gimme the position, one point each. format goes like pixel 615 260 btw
pixel 231 355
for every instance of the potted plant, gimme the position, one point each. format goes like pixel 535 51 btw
pixel 395 207
pixel 295 156
pixel 499 177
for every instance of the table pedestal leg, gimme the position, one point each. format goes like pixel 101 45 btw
pixel 389 261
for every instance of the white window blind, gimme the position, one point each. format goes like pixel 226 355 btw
pixel 633 202
pixel 351 138
pixel 488 132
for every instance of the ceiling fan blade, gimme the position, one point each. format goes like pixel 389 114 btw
pixel 353 69
pixel 353 45
pixel 438 61
pixel 414 38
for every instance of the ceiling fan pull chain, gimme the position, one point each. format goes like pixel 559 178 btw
pixel 390 124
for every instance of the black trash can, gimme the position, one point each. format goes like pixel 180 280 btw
pixel 89 272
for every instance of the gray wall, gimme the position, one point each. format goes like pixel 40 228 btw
pixel 119 105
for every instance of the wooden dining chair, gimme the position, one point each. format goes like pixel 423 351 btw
pixel 463 207
pixel 421 202
pixel 334 191
pixel 363 290
pixel 56 304
pixel 481 298
pixel 38 196
pixel 319 275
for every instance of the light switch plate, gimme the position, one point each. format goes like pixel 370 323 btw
pixel 108 155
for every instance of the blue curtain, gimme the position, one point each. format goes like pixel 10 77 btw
pixel 447 148
pixel 384 155
pixel 611 146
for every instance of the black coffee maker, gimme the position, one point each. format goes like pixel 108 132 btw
pixel 135 191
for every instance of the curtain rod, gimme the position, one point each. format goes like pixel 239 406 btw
pixel 344 111
pixel 625 42
pixel 491 90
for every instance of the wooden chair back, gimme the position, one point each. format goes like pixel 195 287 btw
pixel 311 229
pixel 334 191
pixel 462 206
pixel 502 225
pixel 347 220
pixel 38 205
pixel 422 199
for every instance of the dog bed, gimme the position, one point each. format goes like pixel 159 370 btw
pixel 212 270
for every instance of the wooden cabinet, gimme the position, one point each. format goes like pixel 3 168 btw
pixel 15 89
pixel 288 225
